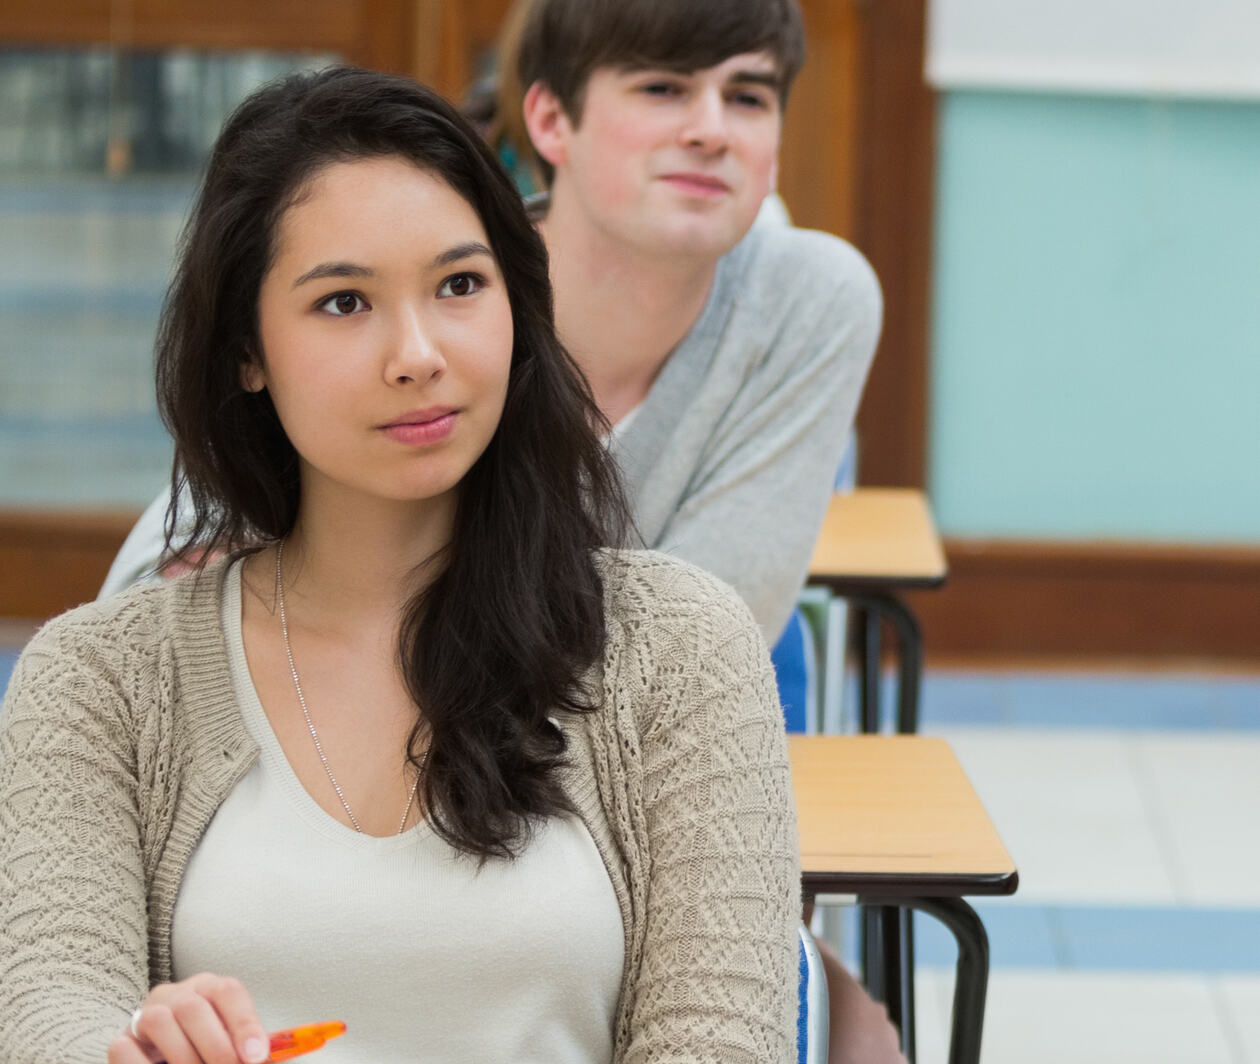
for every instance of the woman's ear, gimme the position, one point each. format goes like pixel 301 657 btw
pixel 252 379
pixel 548 123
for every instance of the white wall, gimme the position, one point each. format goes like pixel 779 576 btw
pixel 1199 48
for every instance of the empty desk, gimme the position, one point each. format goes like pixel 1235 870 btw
pixel 894 820
pixel 874 544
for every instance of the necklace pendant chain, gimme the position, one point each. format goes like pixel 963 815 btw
pixel 310 724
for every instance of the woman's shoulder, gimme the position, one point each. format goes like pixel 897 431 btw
pixel 109 633
pixel 656 597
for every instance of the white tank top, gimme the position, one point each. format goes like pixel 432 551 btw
pixel 425 956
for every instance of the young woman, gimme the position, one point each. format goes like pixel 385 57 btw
pixel 422 753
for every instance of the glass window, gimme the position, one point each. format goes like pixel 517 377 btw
pixel 100 153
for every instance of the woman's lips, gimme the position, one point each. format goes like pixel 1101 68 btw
pixel 422 429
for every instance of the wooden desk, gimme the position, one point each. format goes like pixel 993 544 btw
pixel 877 537
pixel 874 544
pixel 894 820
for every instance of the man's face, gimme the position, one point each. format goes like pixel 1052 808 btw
pixel 669 162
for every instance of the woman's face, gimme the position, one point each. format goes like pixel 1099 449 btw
pixel 386 333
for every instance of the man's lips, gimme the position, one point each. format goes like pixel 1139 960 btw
pixel 422 426
pixel 696 183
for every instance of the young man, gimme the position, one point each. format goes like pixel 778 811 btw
pixel 728 357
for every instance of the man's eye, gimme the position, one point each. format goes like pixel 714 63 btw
pixel 341 304
pixel 751 99
pixel 661 88
pixel 461 284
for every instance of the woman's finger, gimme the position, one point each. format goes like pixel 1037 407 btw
pixel 201 1024
pixel 126 1050
pixel 236 1009
pixel 156 1027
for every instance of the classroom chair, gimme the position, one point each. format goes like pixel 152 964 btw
pixel 812 1011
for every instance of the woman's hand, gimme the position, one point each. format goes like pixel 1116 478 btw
pixel 205 1019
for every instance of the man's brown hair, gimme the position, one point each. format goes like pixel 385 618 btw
pixel 565 40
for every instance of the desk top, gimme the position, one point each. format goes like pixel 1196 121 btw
pixel 892 815
pixel 878 537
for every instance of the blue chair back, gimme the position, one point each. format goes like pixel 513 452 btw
pixel 796 670
pixel 813 1005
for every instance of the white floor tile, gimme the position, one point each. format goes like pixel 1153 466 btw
pixel 1205 791
pixel 934 994
pixel 1239 998
pixel 1096 1018
pixel 1074 812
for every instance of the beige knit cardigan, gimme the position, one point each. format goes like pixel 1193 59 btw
pixel 120 736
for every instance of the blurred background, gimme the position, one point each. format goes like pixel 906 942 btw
pixel 1063 205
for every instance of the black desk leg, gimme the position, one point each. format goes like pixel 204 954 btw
pixel 910 645
pixel 906 920
pixel 971 981
pixel 887 940
pixel 867 635
pixel 871 949
pixel 872 610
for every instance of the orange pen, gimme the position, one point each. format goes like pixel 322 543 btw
pixel 298 1040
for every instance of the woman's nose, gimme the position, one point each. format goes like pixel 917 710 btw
pixel 414 354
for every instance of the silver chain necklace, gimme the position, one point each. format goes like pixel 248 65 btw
pixel 310 724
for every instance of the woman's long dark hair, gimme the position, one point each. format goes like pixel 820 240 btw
pixel 505 635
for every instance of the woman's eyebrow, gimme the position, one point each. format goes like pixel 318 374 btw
pixel 350 269
pixel 460 251
pixel 333 269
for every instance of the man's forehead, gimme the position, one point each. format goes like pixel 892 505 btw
pixel 747 66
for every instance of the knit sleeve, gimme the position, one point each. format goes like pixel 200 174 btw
pixel 72 897
pixel 717 978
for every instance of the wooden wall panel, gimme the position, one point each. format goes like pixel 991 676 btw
pixel 818 160
pixel 450 38
pixel 336 25
pixel 893 227
pixel 1021 600
pixel 53 560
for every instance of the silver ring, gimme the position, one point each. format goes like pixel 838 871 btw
pixel 135 1019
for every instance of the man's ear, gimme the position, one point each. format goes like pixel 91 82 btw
pixel 548 123
pixel 252 379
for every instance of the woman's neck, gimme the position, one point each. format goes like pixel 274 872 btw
pixel 358 566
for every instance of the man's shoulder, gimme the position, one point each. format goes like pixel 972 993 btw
pixel 817 265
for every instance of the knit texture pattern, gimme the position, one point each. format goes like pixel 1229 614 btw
pixel 120 736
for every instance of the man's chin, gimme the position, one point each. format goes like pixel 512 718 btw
pixel 709 240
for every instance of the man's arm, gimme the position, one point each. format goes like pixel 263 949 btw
pixel 753 507
pixel 141 552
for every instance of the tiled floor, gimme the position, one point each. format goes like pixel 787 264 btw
pixel 1131 804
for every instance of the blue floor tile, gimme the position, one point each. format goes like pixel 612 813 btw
pixel 1216 940
pixel 1085 701
pixel 1020 936
pixel 1112 938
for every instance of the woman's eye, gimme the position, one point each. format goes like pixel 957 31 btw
pixel 341 304
pixel 462 284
